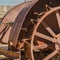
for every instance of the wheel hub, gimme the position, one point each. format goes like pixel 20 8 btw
pixel 57 45
pixel 58 38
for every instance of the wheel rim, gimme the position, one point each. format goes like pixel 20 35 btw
pixel 35 33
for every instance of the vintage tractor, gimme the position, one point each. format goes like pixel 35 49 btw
pixel 35 31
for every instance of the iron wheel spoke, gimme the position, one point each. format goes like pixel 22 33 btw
pixel 58 18
pixel 51 55
pixel 48 29
pixel 45 37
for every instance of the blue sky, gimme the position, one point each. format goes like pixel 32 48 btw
pixel 10 2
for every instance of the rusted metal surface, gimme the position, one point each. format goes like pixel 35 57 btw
pixel 36 29
pixel 13 13
pixel 28 19
pixel 10 17
pixel 11 54
pixel 50 29
pixel 20 19
pixel 24 16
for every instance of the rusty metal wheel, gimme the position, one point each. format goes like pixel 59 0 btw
pixel 23 26
pixel 47 32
